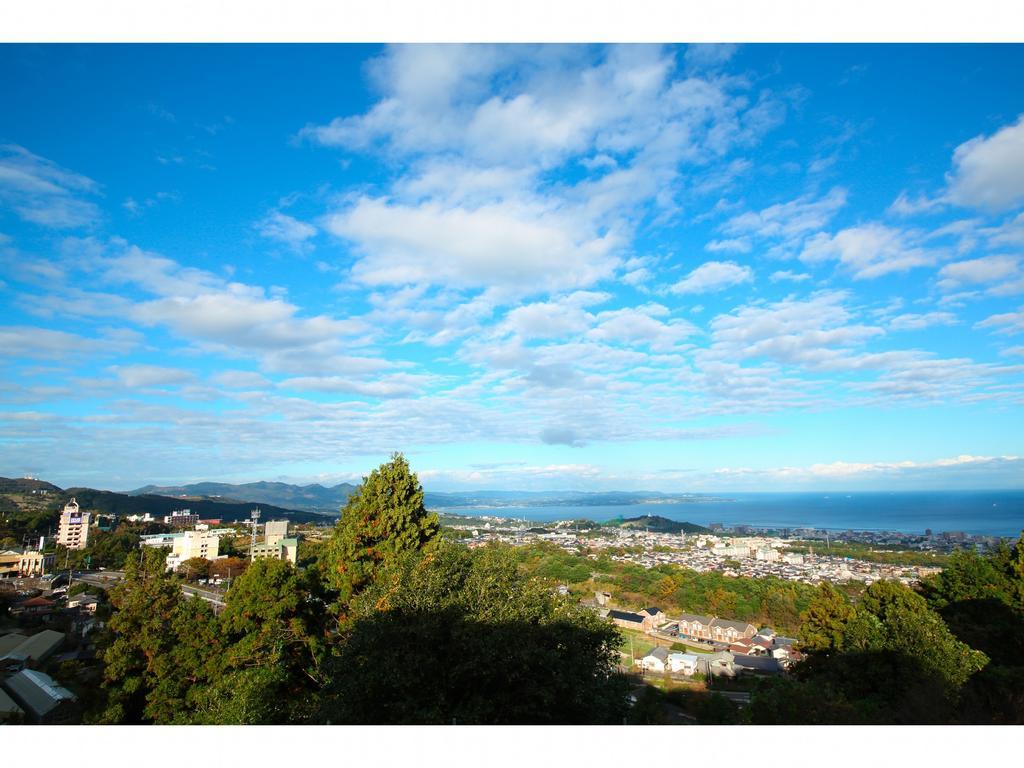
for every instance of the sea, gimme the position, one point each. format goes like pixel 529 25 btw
pixel 983 513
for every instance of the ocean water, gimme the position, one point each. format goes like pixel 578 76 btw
pixel 987 513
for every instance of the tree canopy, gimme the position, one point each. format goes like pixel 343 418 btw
pixel 461 635
pixel 383 519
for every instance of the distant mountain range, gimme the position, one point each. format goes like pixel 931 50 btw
pixel 329 500
pixel 308 498
pixel 13 491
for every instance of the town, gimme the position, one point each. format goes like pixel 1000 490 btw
pixel 733 555
pixel 56 615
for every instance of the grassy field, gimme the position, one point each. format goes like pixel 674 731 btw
pixel 641 643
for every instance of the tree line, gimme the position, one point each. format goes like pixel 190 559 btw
pixel 391 623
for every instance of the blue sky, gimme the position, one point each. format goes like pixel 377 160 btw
pixel 761 267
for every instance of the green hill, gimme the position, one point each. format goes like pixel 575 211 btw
pixel 657 524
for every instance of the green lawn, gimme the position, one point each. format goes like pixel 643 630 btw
pixel 688 648
pixel 641 642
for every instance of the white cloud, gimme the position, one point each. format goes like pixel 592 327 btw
pixel 240 380
pixel 785 274
pixel 791 220
pixel 1009 233
pixel 501 105
pixel 868 251
pixel 42 192
pixel 286 229
pixel 912 322
pixel 709 55
pixel 142 376
pixel 1008 323
pixel 904 205
pixel 393 385
pixel 521 248
pixel 817 332
pixel 988 171
pixel 639 325
pixel 737 245
pixel 19 341
pixel 553 319
pixel 1002 269
pixel 713 276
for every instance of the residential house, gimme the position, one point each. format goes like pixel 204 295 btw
pixel 720 663
pixel 656 659
pixel 687 663
pixel 85 603
pixel 758 665
pixel 34 606
pixel 628 620
pixel 695 626
pixel 740 647
pixel 727 631
pixel 656 615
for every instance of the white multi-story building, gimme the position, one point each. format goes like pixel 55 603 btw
pixel 283 549
pixel 73 531
pixel 275 530
pixel 186 545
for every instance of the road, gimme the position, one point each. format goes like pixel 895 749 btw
pixel 109 578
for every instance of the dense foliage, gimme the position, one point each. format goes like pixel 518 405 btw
pixel 675 589
pixel 459 635
pixel 383 520
pixel 950 652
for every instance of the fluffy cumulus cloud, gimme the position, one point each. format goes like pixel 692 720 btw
pixel 481 129
pixel 714 276
pixel 988 171
pixel 868 251
pixel 522 248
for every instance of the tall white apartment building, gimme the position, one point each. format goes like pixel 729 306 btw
pixel 73 531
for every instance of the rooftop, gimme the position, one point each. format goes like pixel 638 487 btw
pixel 38 691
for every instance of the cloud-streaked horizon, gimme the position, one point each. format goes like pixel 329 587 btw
pixel 584 266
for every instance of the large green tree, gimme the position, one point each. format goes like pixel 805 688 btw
pixel 384 519
pixel 273 642
pixel 462 635
pixel 157 645
pixel 826 619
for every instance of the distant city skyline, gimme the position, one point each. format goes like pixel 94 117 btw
pixel 679 269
